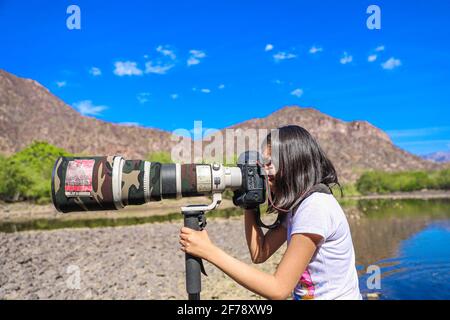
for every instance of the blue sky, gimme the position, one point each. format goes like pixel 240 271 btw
pixel 166 64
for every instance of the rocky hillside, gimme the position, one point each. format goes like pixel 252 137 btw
pixel 353 146
pixel 28 112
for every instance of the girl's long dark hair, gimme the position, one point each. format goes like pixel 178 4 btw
pixel 300 164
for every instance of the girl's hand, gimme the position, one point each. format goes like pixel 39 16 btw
pixel 196 243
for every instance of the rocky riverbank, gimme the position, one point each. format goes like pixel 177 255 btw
pixel 135 262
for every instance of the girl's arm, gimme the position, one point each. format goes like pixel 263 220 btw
pixel 277 286
pixel 262 246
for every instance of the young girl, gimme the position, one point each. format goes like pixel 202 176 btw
pixel 319 262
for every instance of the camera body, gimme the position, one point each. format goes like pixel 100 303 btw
pixel 252 192
pixel 253 188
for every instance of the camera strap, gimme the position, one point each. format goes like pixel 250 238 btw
pixel 262 224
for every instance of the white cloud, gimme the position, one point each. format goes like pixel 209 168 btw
pixel 205 90
pixel 158 68
pixel 379 48
pixel 221 86
pixel 372 58
pixel 198 53
pixel 166 51
pixel 346 58
pixel 418 132
pixel 143 97
pixel 283 56
pixel 315 49
pixel 87 108
pixel 192 61
pixel 61 84
pixel 95 71
pixel 297 92
pixel 127 68
pixel 164 63
pixel 174 96
pixel 195 57
pixel 268 47
pixel 391 64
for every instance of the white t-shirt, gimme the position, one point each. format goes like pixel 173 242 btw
pixel 331 273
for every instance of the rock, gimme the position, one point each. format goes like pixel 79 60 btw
pixel 373 296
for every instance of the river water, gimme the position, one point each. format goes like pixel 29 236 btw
pixel 406 243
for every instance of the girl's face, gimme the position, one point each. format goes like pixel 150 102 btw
pixel 269 168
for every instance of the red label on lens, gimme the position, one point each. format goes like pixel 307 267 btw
pixel 79 178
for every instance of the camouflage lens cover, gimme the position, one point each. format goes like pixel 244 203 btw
pixel 133 182
pixel 79 193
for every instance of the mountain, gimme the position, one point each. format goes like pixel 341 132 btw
pixel 439 156
pixel 28 112
pixel 353 147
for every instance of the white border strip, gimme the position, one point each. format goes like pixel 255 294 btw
pixel 147 181
pixel 118 163
pixel 178 179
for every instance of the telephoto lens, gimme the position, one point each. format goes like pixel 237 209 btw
pixel 111 182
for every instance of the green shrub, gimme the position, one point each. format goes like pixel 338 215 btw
pixel 231 162
pixel 384 182
pixel 443 180
pixel 162 157
pixel 15 180
pixel 26 175
pixel 348 190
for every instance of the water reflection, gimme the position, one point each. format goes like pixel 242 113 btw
pixel 410 241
